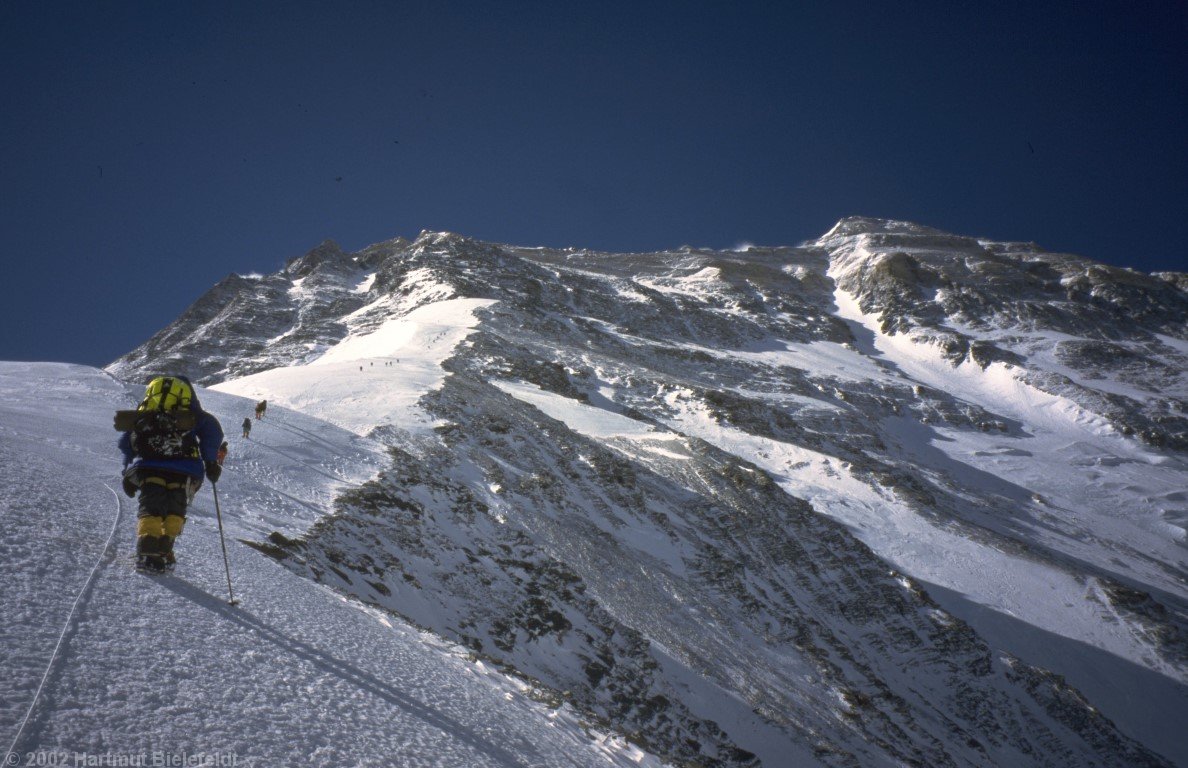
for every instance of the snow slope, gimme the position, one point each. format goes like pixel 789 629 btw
pixel 890 497
pixel 1036 607
pixel 345 386
pixel 101 663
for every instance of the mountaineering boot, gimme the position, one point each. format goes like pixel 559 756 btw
pixel 151 563
pixel 150 552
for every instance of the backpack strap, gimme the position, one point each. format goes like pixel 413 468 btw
pixel 166 390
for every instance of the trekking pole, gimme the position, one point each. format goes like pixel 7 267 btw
pixel 214 487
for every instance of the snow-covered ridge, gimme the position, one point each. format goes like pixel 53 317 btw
pixel 345 386
pixel 1077 330
pixel 838 501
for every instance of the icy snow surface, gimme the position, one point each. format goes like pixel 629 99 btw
pixel 292 675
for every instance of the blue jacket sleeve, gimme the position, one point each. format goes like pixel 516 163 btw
pixel 210 436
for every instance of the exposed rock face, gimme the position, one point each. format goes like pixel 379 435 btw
pixel 1011 302
pixel 244 325
pixel 685 587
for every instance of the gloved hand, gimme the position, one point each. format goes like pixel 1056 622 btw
pixel 213 470
pixel 129 487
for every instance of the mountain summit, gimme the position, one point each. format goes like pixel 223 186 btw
pixel 892 496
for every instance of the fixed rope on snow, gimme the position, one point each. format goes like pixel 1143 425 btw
pixel 105 555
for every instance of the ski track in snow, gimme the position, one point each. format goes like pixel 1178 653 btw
pixel 293 675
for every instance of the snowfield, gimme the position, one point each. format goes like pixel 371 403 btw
pixel 101 663
pixel 374 378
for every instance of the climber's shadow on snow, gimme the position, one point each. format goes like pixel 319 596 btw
pixel 344 671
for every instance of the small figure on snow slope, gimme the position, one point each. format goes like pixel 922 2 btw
pixel 171 444
pixel 260 408
pixel 247 426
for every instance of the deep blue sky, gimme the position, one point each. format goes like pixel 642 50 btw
pixel 148 149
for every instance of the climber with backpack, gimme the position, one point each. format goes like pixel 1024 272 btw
pixel 260 408
pixel 169 443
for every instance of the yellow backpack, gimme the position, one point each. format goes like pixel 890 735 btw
pixel 161 424
pixel 166 394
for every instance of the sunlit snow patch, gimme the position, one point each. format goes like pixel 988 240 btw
pixel 589 420
pixel 702 284
pixel 371 379
pixel 365 286
pixel 997 387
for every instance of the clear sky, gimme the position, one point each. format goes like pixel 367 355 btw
pixel 149 149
